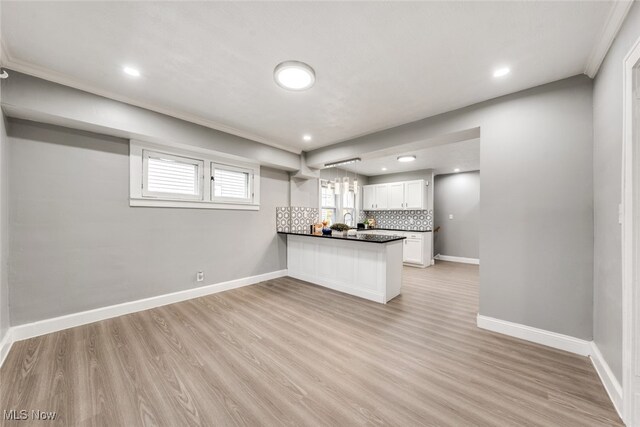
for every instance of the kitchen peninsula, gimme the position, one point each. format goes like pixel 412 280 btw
pixel 367 266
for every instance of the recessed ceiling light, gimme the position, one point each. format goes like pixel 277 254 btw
pixel 384 169
pixel 405 159
pixel 294 75
pixel 456 170
pixel 131 71
pixel 306 137
pixel 501 72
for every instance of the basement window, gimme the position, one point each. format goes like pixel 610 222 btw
pixel 231 184
pixel 171 176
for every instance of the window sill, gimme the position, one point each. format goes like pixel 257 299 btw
pixel 191 204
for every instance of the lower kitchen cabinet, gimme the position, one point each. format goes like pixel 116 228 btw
pixel 413 252
pixel 416 248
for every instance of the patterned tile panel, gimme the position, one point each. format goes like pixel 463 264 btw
pixel 401 220
pixel 296 219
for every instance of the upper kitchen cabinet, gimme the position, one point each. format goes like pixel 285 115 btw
pixel 415 194
pixel 395 196
pixel 374 197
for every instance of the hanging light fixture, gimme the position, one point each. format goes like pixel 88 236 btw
pixel 336 184
pixel 345 184
pixel 355 180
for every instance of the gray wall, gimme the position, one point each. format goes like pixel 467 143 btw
pixel 4 228
pixel 4 285
pixel 75 243
pixel 304 192
pixel 457 194
pixel 31 98
pixel 607 169
pixel 536 229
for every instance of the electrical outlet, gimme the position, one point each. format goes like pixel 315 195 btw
pixel 200 276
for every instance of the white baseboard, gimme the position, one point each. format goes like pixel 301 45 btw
pixel 610 382
pixel 463 260
pixel 30 330
pixel 5 345
pixel 539 336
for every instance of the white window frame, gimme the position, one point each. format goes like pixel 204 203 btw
pixel 232 168
pixel 333 207
pixel 352 210
pixel 162 195
pixel 137 173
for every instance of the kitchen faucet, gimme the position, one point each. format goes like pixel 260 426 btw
pixel 350 223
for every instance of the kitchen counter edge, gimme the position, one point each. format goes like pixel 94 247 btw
pixel 379 238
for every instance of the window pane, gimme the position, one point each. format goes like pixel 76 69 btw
pixel 349 200
pixel 232 184
pixel 328 197
pixel 328 215
pixel 171 176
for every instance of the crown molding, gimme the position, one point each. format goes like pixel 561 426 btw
pixel 617 15
pixel 8 61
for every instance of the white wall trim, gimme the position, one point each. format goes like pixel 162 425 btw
pixel 617 15
pixel 561 342
pixel 608 379
pixel 464 260
pixel 539 336
pixel 30 330
pixel 5 345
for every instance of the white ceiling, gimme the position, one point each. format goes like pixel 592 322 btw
pixel 444 158
pixel 378 64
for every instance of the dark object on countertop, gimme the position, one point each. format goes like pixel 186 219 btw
pixel 360 226
pixel 326 231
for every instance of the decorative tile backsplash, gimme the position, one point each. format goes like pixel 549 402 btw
pixel 293 219
pixel 401 220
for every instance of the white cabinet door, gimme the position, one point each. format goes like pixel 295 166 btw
pixel 382 192
pixel 414 194
pixel 396 196
pixel 412 251
pixel 368 197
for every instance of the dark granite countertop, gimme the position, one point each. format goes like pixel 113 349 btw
pixel 373 238
pixel 396 229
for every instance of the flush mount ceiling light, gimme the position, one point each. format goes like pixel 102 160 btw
pixel 405 159
pixel 501 72
pixel 384 169
pixel 306 137
pixel 131 71
pixel 294 75
pixel 456 170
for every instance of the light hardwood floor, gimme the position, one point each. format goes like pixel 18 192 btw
pixel 284 352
